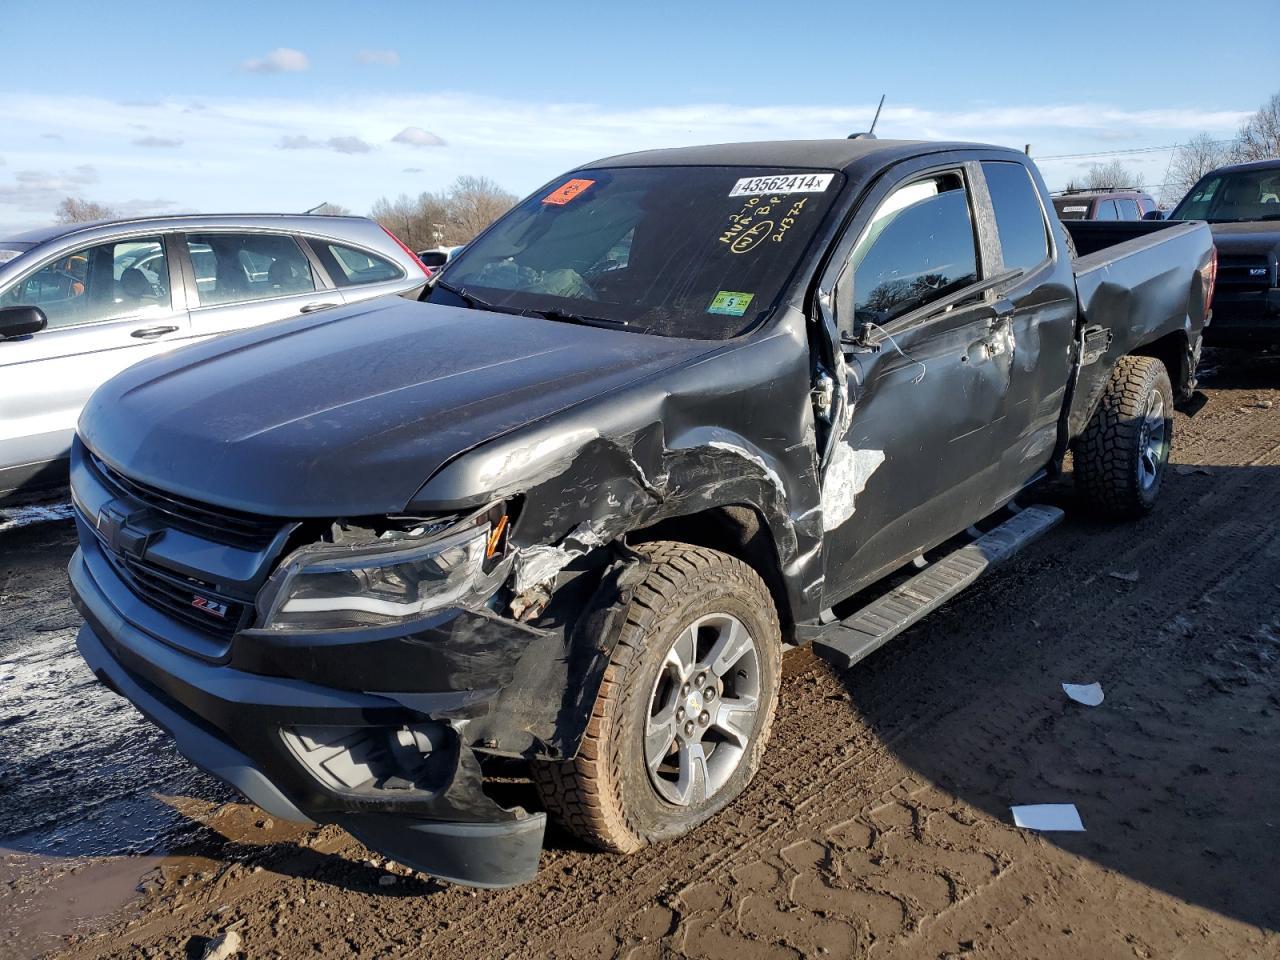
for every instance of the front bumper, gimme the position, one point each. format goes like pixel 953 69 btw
pixel 1245 319
pixel 232 723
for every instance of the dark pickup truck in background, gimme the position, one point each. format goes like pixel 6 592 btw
pixel 672 411
pixel 1242 205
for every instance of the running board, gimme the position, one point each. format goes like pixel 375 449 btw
pixel 847 641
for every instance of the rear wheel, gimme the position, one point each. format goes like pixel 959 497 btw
pixel 1120 458
pixel 684 710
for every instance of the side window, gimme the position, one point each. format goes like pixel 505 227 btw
pixel 1024 238
pixel 1106 210
pixel 240 267
pixel 350 267
pixel 918 247
pixel 108 281
pixel 1128 209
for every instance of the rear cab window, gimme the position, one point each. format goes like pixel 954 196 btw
pixel 695 252
pixel 1020 222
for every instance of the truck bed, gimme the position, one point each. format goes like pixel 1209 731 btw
pixel 1135 284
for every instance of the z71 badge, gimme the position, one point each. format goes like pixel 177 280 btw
pixel 210 606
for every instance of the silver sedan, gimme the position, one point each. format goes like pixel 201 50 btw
pixel 80 302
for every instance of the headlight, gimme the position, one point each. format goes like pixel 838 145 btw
pixel 327 587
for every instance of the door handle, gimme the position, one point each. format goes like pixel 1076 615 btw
pixel 150 333
pixel 313 307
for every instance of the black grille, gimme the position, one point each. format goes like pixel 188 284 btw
pixel 232 527
pixel 1244 271
pixel 176 595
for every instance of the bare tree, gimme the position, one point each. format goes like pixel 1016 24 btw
pixel 419 221
pixel 1103 176
pixel 473 204
pixel 1191 161
pixel 79 210
pixel 327 209
pixel 450 218
pixel 1259 138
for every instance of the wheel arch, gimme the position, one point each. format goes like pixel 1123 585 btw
pixel 1174 351
pixel 739 530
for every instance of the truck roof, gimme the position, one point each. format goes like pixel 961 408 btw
pixel 843 154
pixel 1272 163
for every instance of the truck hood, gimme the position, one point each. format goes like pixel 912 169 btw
pixel 348 412
pixel 1245 238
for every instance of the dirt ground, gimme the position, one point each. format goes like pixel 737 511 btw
pixel 879 826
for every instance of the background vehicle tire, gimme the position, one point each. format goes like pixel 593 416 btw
pixel 1120 458
pixel 664 752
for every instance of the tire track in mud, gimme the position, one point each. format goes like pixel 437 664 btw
pixel 844 821
pixel 1092 553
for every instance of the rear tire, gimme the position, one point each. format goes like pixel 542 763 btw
pixel 1121 457
pixel 659 755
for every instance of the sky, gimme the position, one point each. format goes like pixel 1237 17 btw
pixel 256 106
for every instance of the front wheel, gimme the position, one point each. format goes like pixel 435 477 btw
pixel 684 709
pixel 1121 456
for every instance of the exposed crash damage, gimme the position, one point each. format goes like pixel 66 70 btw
pixel 659 419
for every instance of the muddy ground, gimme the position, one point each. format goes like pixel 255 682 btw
pixel 880 823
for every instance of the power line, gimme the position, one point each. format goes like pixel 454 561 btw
pixel 1118 153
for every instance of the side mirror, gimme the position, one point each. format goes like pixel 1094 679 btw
pixel 1153 215
pixel 21 322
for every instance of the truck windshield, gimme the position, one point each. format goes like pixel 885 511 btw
pixel 697 252
pixel 1233 197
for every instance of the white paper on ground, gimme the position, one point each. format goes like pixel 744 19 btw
pixel 1090 694
pixel 1048 816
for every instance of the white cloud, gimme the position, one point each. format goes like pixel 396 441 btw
pixel 384 58
pixel 417 137
pixel 161 142
pixel 33 190
pixel 338 144
pixel 279 60
pixel 236 161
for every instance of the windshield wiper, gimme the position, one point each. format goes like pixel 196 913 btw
pixel 565 316
pixel 474 302
pixel 471 300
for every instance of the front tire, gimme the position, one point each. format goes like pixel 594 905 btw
pixel 1121 457
pixel 684 709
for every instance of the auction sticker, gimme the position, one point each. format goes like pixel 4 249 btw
pixel 566 192
pixel 781 183
pixel 731 303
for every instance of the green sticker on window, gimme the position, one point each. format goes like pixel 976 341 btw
pixel 730 303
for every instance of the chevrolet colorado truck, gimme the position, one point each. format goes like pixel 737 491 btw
pixel 672 412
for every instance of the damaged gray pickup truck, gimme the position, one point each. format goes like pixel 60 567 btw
pixel 673 411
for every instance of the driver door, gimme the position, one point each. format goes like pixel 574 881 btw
pixel 927 374
pixel 108 305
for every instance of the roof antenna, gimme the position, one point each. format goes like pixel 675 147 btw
pixel 870 134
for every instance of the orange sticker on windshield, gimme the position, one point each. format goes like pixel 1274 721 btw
pixel 563 194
